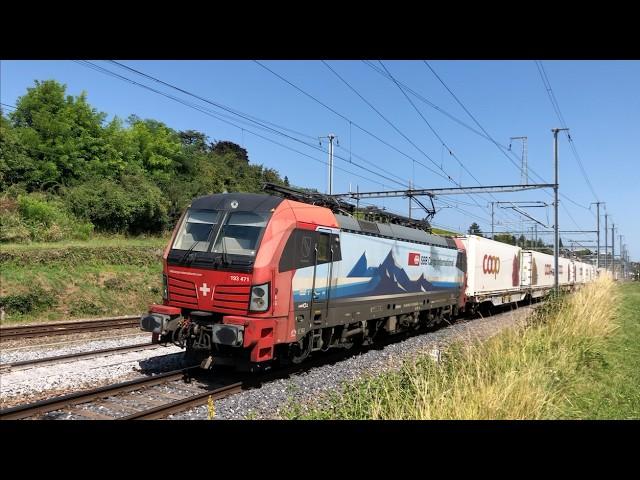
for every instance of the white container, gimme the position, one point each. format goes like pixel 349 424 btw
pixel 537 269
pixel 566 271
pixel 493 271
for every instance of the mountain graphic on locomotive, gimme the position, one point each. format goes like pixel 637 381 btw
pixel 253 278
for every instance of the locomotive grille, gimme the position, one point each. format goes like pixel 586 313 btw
pixel 231 298
pixel 182 291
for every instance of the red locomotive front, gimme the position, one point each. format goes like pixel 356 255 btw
pixel 224 299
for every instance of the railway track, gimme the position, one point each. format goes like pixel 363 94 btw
pixel 71 401
pixel 66 328
pixel 154 397
pixel 158 396
pixel 25 364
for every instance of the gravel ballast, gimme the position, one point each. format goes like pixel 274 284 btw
pixel 45 381
pixel 54 350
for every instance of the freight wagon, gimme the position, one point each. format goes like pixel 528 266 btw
pixel 493 271
pixel 538 273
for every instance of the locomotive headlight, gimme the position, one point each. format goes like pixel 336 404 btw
pixel 259 298
pixel 165 289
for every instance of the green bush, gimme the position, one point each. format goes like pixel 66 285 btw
pixel 133 205
pixel 35 209
pixel 67 170
pixel 39 217
pixel 83 306
pixel 37 299
pixel 13 229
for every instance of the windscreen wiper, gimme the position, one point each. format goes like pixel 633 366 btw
pixel 186 254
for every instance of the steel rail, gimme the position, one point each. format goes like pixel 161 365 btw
pixel 163 411
pixel 55 403
pixel 65 328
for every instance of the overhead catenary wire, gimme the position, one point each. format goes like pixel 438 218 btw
pixel 380 114
pixel 218 117
pixel 235 112
pixel 264 125
pixel 344 117
pixel 503 149
pixel 244 116
pixel 402 134
pixel 254 120
pixel 498 145
pixel 440 139
pixel 563 123
pixel 446 176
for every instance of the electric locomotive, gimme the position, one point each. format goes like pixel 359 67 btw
pixel 249 279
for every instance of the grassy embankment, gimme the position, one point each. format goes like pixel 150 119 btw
pixel 79 279
pixel 578 357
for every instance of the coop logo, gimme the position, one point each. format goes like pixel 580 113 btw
pixel 491 264
pixel 548 269
pixel 414 259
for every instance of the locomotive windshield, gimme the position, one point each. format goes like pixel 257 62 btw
pixel 238 232
pixel 196 228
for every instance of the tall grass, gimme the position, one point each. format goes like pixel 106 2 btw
pixel 521 373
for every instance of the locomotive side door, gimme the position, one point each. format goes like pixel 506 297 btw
pixel 323 271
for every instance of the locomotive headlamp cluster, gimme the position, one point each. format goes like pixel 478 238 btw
pixel 259 298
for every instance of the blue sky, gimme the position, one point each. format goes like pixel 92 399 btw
pixel 600 101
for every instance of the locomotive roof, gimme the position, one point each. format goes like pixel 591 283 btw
pixel 391 230
pixel 247 202
pixel 260 202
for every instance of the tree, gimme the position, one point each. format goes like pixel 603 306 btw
pixel 62 135
pixel 474 229
pixel 224 147
pixel 521 241
pixel 286 181
pixel 505 238
pixel 128 176
pixel 15 165
pixel 192 138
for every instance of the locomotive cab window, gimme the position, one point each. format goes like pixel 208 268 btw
pixel 195 230
pixel 299 252
pixel 239 235
pixel 324 255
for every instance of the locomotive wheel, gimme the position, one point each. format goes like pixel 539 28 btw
pixel 301 350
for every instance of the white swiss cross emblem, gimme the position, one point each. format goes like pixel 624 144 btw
pixel 204 289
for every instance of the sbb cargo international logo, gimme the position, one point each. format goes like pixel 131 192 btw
pixel 414 259
pixel 491 264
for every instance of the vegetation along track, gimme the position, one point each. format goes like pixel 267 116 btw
pixel 66 328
